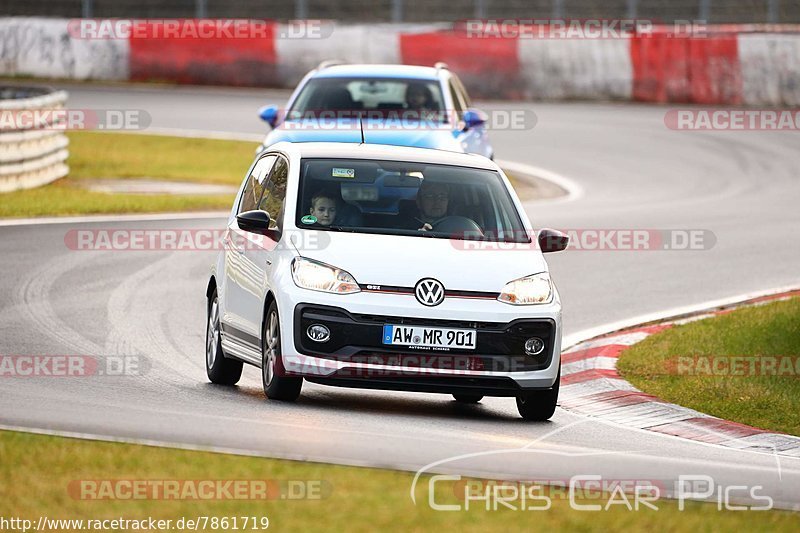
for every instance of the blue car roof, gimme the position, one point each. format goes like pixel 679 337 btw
pixel 379 71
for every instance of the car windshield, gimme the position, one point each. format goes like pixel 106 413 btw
pixel 406 198
pixel 405 99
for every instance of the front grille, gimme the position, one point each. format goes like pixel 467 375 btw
pixel 442 323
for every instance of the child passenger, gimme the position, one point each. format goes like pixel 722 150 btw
pixel 323 206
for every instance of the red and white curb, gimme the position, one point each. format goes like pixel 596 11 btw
pixel 591 386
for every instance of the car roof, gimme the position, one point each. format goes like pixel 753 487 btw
pixel 337 150
pixel 378 71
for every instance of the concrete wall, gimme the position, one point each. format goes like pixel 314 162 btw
pixel 751 65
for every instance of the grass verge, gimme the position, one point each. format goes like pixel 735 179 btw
pixel 120 155
pixel 763 334
pixel 63 199
pixel 38 471
pixel 110 155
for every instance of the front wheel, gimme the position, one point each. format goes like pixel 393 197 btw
pixel 539 405
pixel 220 370
pixel 277 386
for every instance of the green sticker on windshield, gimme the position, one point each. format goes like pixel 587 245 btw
pixel 309 219
pixel 343 172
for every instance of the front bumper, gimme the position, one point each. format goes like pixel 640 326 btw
pixel 355 357
pixel 358 338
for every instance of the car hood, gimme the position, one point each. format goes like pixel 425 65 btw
pixel 392 132
pixel 403 260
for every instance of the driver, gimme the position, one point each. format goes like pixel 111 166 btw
pixel 432 200
pixel 419 101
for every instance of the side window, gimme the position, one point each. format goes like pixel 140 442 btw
pixel 274 198
pixel 458 105
pixel 254 187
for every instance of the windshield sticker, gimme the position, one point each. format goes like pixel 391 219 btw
pixel 309 219
pixel 344 173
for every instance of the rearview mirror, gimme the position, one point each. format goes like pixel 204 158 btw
pixel 256 221
pixel 269 114
pixel 474 117
pixel 551 240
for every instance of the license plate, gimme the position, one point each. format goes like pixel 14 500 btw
pixel 420 336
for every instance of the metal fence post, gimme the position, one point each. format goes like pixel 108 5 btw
pixel 200 9
pixel 772 11
pixel 558 10
pixel 632 9
pixel 301 9
pixel 705 10
pixel 480 9
pixel 397 10
pixel 86 9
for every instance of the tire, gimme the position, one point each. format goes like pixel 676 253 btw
pixel 277 386
pixel 220 370
pixel 539 405
pixel 467 398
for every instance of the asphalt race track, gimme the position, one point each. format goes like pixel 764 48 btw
pixel 634 173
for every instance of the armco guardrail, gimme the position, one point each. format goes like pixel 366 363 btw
pixel 33 146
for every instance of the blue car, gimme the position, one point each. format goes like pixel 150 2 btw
pixel 424 107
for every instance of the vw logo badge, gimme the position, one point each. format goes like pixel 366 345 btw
pixel 318 333
pixel 429 292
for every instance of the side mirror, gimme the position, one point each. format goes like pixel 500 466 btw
pixel 551 240
pixel 473 118
pixel 256 221
pixel 269 114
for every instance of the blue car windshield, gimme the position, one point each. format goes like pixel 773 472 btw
pixel 407 198
pixel 389 98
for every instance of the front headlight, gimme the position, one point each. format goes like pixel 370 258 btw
pixel 316 276
pixel 534 289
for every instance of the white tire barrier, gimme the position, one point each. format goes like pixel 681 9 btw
pixel 31 154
